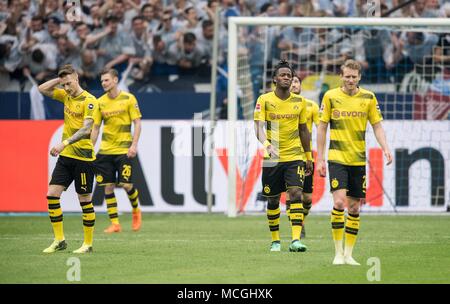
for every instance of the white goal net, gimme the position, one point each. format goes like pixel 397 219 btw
pixel 406 64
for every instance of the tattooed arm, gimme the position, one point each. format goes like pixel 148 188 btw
pixel 81 133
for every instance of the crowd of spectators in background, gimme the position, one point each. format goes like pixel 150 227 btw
pixel 176 37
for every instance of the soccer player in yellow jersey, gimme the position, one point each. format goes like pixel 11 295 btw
pixel 282 114
pixel 76 155
pixel 312 115
pixel 347 109
pixel 118 147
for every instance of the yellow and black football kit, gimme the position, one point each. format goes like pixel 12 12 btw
pixel 76 110
pixel 348 116
pixel 112 164
pixel 75 161
pixel 282 118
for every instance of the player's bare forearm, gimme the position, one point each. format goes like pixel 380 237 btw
pixel 321 138
pixel 83 132
pixel 94 134
pixel 381 139
pixel 47 87
pixel 259 131
pixel 305 137
pixel 380 135
pixel 137 131
pixel 261 135
pixel 132 151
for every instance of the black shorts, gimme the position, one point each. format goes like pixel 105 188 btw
pixel 351 178
pixel 70 169
pixel 308 185
pixel 114 169
pixel 277 179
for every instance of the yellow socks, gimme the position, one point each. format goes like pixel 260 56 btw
pixel 56 216
pixel 133 197
pixel 273 215
pixel 337 229
pixel 351 232
pixel 111 205
pixel 88 222
pixel 296 216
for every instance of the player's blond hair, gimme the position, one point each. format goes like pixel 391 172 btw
pixel 351 64
pixel 110 71
pixel 66 70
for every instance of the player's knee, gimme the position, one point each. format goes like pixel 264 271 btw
pixel 273 203
pixel 339 203
pixel 307 199
pixel 83 198
pixel 52 193
pixel 353 209
pixel 296 196
pixel 307 204
pixel 127 187
pixel 109 188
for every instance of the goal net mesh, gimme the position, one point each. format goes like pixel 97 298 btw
pixel 408 68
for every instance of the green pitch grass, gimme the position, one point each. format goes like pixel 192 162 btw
pixel 200 248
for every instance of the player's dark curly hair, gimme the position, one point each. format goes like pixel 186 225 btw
pixel 282 64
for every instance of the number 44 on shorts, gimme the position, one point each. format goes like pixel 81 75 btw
pixel 301 172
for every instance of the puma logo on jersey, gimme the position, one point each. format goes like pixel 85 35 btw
pixel 271 105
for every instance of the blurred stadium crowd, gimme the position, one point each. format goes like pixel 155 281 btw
pixel 161 37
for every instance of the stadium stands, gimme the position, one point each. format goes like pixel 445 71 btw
pixel 167 45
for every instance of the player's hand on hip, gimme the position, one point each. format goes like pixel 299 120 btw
pixel 388 156
pixel 132 151
pixel 321 167
pixel 309 168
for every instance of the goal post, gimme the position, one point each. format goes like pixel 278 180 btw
pixel 235 23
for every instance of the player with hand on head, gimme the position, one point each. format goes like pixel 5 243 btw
pixel 76 155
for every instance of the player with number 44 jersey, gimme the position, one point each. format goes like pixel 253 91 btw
pixel 280 125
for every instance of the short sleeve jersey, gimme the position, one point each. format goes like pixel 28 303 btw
pixel 348 116
pixel 117 115
pixel 76 110
pixel 282 118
